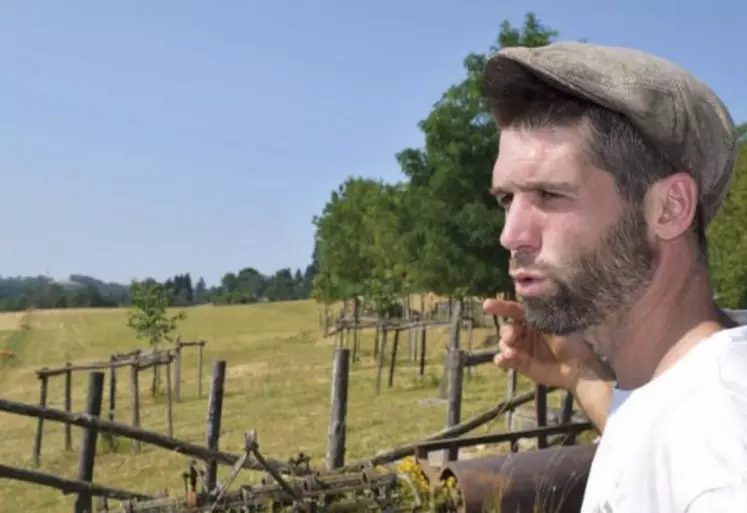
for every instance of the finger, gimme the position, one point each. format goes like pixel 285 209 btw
pixel 513 335
pixel 505 355
pixel 504 360
pixel 510 358
pixel 504 308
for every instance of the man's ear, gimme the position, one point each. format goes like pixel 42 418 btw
pixel 671 205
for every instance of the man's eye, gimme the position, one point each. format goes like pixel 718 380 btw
pixel 505 200
pixel 547 195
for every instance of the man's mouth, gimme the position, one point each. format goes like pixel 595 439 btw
pixel 528 284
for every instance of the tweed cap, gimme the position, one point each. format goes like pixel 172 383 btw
pixel 677 113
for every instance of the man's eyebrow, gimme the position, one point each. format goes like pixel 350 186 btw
pixel 566 187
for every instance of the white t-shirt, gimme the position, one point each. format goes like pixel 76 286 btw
pixel 679 443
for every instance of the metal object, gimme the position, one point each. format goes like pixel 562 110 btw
pixel 366 490
pixel 550 480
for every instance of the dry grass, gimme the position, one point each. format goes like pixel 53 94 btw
pixel 278 382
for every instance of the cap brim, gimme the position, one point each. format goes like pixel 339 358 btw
pixel 510 72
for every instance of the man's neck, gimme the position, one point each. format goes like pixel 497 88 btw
pixel 662 327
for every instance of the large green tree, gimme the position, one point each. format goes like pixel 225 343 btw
pixel 457 223
pixel 727 240
pixel 358 244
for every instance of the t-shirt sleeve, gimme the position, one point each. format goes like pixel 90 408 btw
pixel 726 499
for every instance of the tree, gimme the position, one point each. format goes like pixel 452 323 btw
pixel 341 238
pixel 456 223
pixel 200 291
pixel 149 318
pixel 727 240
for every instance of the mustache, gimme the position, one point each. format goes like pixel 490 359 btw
pixel 527 262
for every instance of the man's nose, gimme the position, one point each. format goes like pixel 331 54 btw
pixel 520 230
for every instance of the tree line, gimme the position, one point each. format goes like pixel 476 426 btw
pixel 438 229
pixel 246 286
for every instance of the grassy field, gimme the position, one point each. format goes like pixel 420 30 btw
pixel 278 383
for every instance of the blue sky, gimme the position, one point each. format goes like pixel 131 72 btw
pixel 142 138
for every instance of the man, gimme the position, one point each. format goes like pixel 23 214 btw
pixel 611 164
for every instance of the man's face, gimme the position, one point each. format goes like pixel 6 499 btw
pixel 579 254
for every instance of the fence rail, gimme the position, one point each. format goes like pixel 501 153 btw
pixel 67 486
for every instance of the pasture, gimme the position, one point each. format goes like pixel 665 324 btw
pixel 278 380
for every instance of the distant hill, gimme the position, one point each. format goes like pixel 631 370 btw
pixel 22 292
pixel 248 285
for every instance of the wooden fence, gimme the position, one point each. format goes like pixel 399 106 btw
pixel 347 333
pixel 563 422
pixel 93 424
pixel 448 439
pixel 137 361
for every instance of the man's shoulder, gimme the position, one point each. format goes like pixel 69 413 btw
pixel 701 440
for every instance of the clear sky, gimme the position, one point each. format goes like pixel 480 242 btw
pixel 142 138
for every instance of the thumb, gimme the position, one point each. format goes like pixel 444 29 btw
pixel 511 358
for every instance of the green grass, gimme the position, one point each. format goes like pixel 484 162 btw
pixel 277 383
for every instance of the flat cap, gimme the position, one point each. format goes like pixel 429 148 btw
pixel 676 112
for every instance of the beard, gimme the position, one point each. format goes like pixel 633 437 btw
pixel 596 284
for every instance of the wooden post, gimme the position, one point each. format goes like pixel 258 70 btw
pixel 178 371
pixel 135 389
pixel 511 384
pixel 169 406
pixel 112 389
pixel 541 404
pixel 456 381
pixel 68 405
pixel 356 343
pixel 470 329
pixel 94 397
pixel 109 437
pixel 393 363
pixel 422 351
pixel 199 368
pixel 215 411
pixel 40 422
pixel 380 359
pixel 566 415
pixel 456 325
pixel 338 410
pixel 376 341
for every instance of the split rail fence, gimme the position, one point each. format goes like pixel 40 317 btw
pixel 137 361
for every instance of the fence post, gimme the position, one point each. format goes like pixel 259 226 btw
pixel 422 354
pixel 541 404
pixel 215 410
pixel 135 389
pixel 94 397
pixel 68 405
pixel 456 326
pixel 199 368
pixel 338 410
pixel 456 381
pixel 112 397
pixel 393 362
pixel 40 423
pixel 178 371
pixel 169 405
pixel 511 384
pixel 566 416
